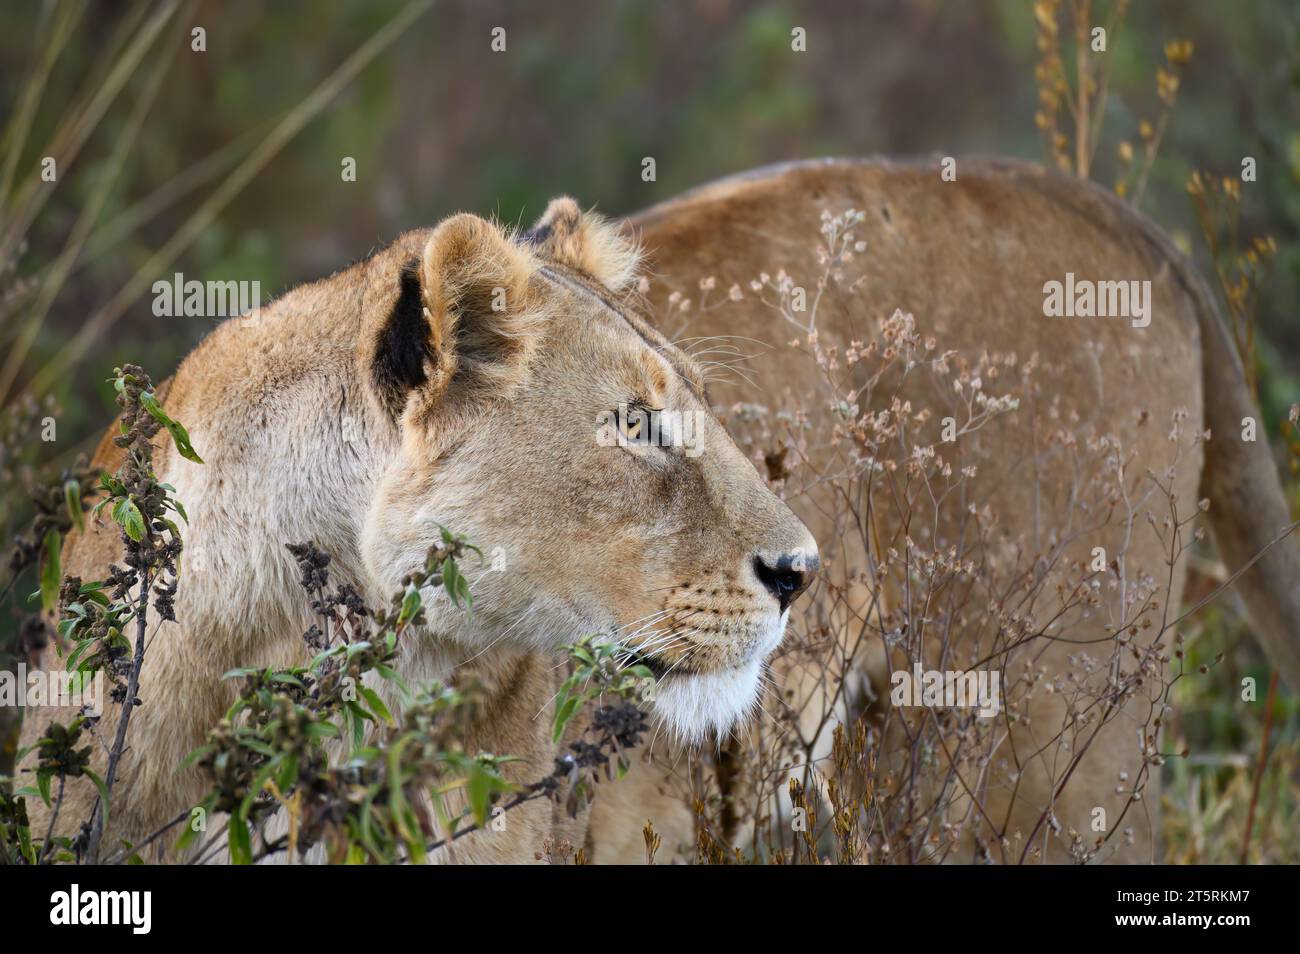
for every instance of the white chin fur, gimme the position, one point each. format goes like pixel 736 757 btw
pixel 697 708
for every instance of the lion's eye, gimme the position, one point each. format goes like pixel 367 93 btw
pixel 637 424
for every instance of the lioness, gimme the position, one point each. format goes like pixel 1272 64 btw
pixel 458 377
pixel 973 261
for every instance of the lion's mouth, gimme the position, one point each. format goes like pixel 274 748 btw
pixel 658 667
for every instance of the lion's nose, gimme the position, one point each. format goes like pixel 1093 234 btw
pixel 788 575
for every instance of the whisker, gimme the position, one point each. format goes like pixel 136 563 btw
pixel 504 633
pixel 702 338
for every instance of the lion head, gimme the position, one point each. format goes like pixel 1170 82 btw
pixel 544 419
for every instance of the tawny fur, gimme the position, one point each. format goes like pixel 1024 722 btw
pixel 308 434
pixel 969 259
pixel 266 402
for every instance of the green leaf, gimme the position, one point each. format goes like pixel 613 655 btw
pixel 288 773
pixel 376 704
pixel 127 515
pixel 388 673
pixel 82 648
pixel 410 605
pixel 563 713
pixel 103 791
pixel 366 830
pixel 415 840
pixel 326 729
pixel 353 649
pixel 72 497
pixel 478 789
pixel 453 582
pixel 180 437
pixel 359 717
pixel 111 485
pixel 194 756
pixel 258 746
pixel 43 785
pixel 25 844
pixel 132 856
pixel 241 849
pixel 320 657
pixel 244 671
pixel 95 592
pixel 51 570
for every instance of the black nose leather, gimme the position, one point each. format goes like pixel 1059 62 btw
pixel 788 576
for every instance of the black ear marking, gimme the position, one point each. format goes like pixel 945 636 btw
pixel 538 235
pixel 559 223
pixel 403 347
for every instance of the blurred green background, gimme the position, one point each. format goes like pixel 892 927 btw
pixel 585 89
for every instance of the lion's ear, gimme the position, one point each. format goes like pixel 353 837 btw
pixel 464 324
pixel 586 242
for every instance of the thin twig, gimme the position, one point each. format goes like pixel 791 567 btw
pixel 1260 764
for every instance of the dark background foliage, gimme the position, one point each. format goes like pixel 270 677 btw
pixel 586 89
